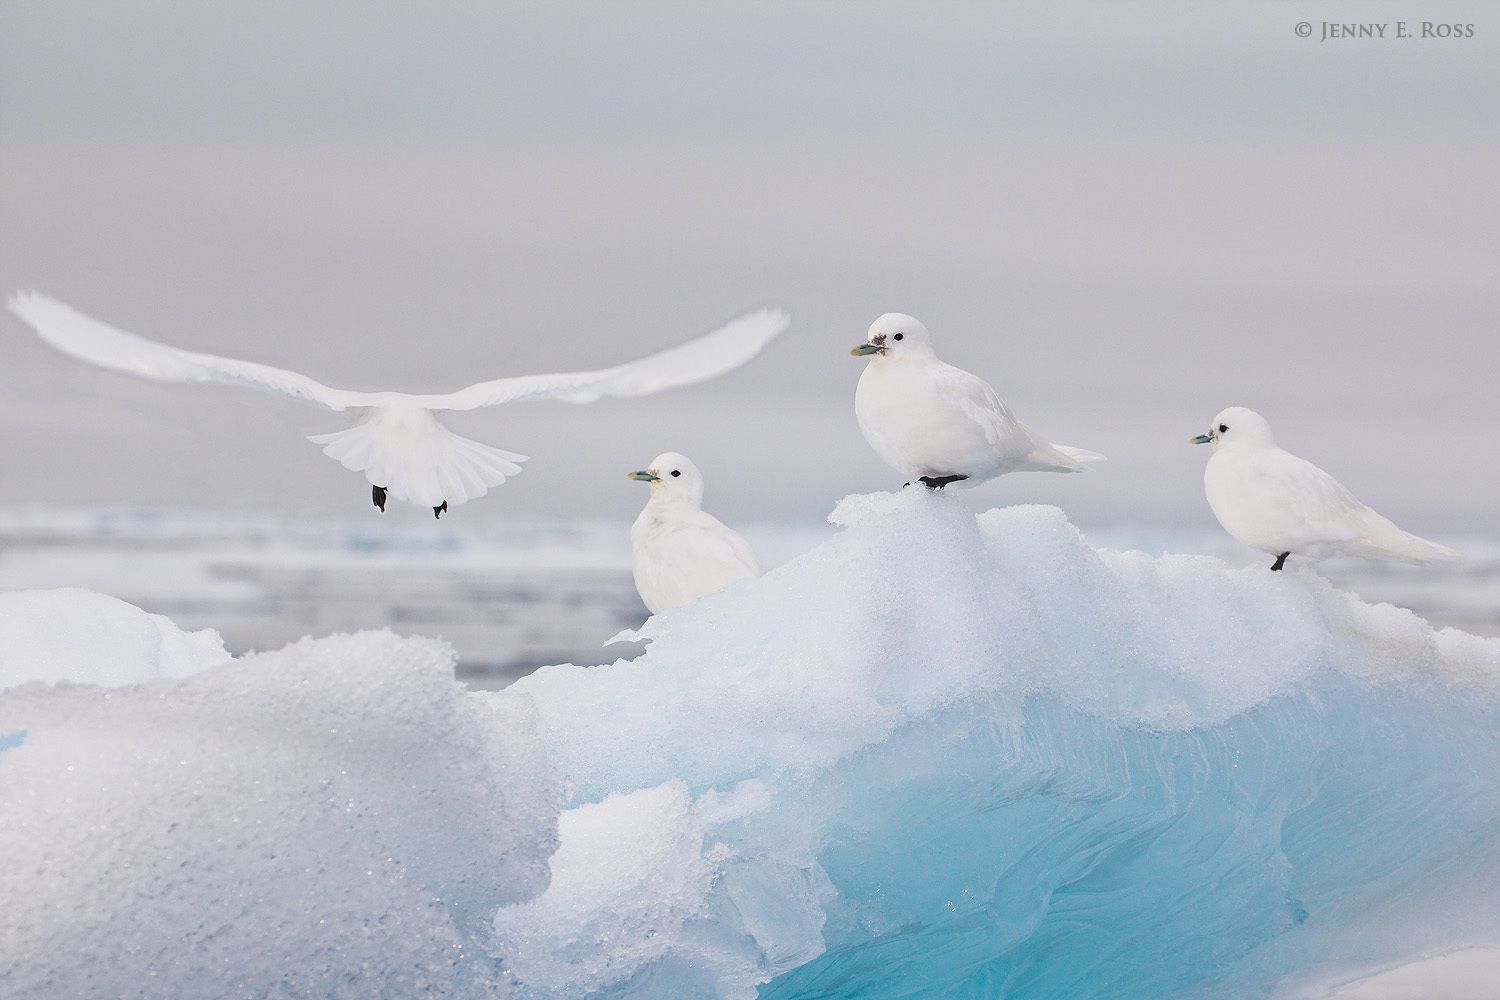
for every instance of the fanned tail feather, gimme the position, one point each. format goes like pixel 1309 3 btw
pixel 416 459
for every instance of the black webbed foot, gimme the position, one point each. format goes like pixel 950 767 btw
pixel 1280 561
pixel 377 494
pixel 437 511
pixel 938 482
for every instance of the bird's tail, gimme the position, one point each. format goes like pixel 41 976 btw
pixel 1080 455
pixel 1386 541
pixel 415 458
pixel 1058 458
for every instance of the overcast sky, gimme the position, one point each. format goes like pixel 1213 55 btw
pixel 1126 218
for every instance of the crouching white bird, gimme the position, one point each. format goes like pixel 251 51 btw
pixel 679 551
pixel 938 424
pixel 395 438
pixel 1272 500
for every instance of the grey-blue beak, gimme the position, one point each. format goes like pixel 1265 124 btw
pixel 864 349
pixel 1201 439
pixel 642 475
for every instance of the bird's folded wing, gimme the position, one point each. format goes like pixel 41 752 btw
pixel 730 547
pixel 705 357
pixel 978 401
pixel 1304 494
pixel 98 343
pixel 716 546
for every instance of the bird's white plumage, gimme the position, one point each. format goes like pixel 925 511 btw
pixel 1271 500
pixel 680 552
pixel 925 418
pixel 88 339
pixel 406 450
pixel 394 438
pixel 697 360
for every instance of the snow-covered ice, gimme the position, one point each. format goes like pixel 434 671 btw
pixel 938 755
pixel 57 635
pixel 333 820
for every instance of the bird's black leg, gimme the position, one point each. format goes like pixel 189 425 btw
pixel 938 482
pixel 438 510
pixel 377 494
pixel 1280 561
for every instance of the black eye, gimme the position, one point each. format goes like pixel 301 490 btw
pixel 1223 429
pixel 675 472
pixel 898 336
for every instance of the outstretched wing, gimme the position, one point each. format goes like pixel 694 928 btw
pixel 98 343
pixel 698 360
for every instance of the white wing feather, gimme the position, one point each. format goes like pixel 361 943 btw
pixel 978 401
pixel 1303 496
pixel 99 343
pixel 395 439
pixel 687 557
pixel 698 360
pixel 1309 502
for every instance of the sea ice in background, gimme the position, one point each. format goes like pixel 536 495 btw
pixel 335 819
pixel 976 757
pixel 76 635
pixel 510 595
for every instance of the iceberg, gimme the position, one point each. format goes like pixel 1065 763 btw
pixel 943 755
pixel 936 755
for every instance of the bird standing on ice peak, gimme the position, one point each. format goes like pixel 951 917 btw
pixel 938 424
pixel 1271 500
pixel 395 438
pixel 679 551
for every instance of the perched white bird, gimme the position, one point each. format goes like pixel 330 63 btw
pixel 1272 500
pixel 680 552
pixel 939 424
pixel 395 438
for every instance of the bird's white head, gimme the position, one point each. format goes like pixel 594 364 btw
pixel 672 477
pixel 895 335
pixel 1237 427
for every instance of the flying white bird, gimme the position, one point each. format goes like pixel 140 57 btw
pixel 1272 500
pixel 680 552
pixel 395 438
pixel 939 424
